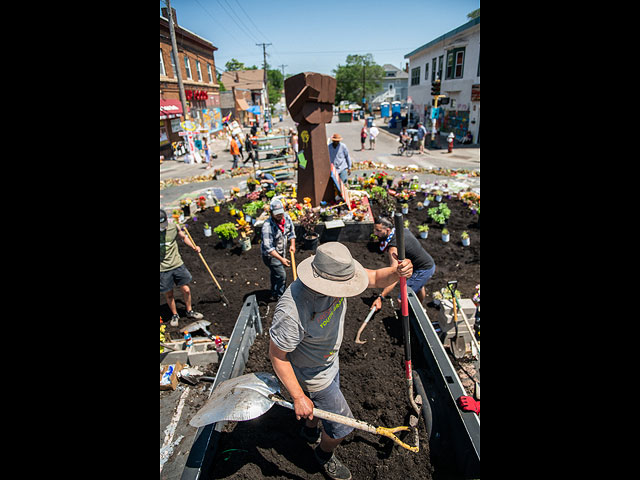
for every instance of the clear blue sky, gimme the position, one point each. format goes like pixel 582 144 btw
pixel 317 36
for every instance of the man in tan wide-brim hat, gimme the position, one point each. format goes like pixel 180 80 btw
pixel 339 157
pixel 306 334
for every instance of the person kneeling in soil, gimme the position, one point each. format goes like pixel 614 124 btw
pixel 306 334
pixel 276 232
pixel 423 264
pixel 173 270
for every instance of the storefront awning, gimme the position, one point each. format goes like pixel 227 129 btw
pixel 242 103
pixel 170 108
pixel 255 109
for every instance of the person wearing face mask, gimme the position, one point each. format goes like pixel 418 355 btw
pixel 305 338
pixel 277 231
pixel 339 157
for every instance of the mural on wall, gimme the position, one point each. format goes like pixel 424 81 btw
pixel 456 121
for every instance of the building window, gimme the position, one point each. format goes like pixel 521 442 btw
pixel 415 76
pixel 426 72
pixel 173 64
pixel 478 63
pixel 187 67
pixel 433 70
pixel 455 63
pixel 199 71
pixel 440 62
pixel 209 72
pixel 162 70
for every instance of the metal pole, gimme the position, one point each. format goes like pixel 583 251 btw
pixel 174 46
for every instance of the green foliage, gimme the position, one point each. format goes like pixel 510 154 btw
pixel 270 193
pixel 378 192
pixel 349 78
pixel 464 235
pixel 252 208
pixel 440 213
pixel 423 228
pixel 226 231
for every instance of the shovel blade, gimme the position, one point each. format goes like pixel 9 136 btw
pixel 197 325
pixel 458 347
pixel 238 399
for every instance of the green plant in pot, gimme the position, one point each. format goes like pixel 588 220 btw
pixel 308 221
pixel 424 230
pixel 226 232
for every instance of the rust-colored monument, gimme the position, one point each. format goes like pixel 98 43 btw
pixel 310 97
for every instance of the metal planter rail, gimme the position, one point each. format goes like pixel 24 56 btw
pixel 248 326
pixel 454 435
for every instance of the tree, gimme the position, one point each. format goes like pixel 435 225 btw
pixel 474 14
pixel 360 71
pixel 275 82
pixel 234 65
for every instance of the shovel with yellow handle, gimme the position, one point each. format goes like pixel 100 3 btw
pixel 249 396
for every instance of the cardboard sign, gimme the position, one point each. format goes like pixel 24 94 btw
pixel 218 193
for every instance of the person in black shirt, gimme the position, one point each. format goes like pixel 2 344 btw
pixel 423 265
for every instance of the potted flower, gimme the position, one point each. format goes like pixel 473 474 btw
pixel 428 200
pixel 232 209
pixel 251 210
pixel 445 235
pixel 438 195
pixel 424 230
pixel 226 232
pixel 405 208
pixel 202 202
pixel 420 205
pixel 389 180
pixel 207 229
pixel 308 221
pixel 244 228
pixel 327 214
pixel 252 183
pixel 465 239
pixel 178 215
pixel 185 204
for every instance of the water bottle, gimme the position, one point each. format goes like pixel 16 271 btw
pixel 219 345
pixel 188 339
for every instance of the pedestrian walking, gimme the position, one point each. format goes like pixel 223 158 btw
pixel 266 127
pixel 240 147
pixel 207 154
pixel 373 133
pixel 277 232
pixel 173 272
pixel 305 339
pixel 363 135
pixel 339 157
pixel 294 141
pixel 248 146
pixel 423 264
pixel 235 151
pixel 422 133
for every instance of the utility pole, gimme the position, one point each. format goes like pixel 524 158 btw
pixel 266 86
pixel 174 46
pixel 282 68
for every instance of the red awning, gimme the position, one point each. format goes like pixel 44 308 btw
pixel 170 108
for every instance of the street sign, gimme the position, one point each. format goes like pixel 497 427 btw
pixel 435 112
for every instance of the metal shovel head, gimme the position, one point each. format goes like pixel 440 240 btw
pixel 197 325
pixel 238 399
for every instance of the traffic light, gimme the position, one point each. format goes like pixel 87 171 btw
pixel 435 87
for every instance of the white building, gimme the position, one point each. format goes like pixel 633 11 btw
pixel 454 58
pixel 394 86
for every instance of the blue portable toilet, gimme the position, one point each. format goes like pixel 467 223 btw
pixel 395 107
pixel 384 109
pixel 369 122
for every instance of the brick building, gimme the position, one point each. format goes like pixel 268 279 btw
pixel 197 67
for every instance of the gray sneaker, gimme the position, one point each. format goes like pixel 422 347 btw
pixel 195 315
pixel 175 319
pixel 333 467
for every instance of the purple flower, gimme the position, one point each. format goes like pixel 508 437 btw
pixel 195 219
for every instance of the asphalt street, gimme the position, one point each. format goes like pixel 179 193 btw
pixel 465 157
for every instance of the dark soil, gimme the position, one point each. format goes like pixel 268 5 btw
pixel 371 375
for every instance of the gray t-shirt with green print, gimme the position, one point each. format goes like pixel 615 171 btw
pixel 309 326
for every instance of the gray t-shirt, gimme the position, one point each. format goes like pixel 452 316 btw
pixel 309 326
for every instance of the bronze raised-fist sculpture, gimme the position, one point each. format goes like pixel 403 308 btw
pixel 310 97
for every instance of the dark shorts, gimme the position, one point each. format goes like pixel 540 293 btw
pixel 332 400
pixel 419 279
pixel 177 277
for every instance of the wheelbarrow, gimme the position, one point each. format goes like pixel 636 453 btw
pixel 248 396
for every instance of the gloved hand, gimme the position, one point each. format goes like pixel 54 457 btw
pixel 468 404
